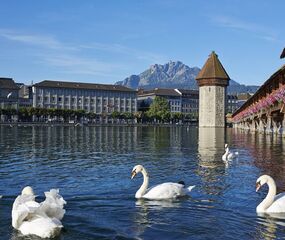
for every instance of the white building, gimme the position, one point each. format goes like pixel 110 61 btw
pixel 95 98
pixel 180 100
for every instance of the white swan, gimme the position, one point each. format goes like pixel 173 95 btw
pixel 162 191
pixel 228 155
pixel 41 219
pixel 272 203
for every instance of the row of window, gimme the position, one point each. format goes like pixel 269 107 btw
pixel 86 100
pixel 190 105
pixel 92 93
pixel 92 108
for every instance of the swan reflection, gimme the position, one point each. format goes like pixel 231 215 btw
pixel 157 204
pixel 270 223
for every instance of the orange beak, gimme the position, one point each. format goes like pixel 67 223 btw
pixel 133 174
pixel 257 186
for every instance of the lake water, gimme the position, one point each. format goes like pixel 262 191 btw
pixel 92 165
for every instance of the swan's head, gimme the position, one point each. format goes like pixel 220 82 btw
pixel 226 145
pixel 136 170
pixel 262 180
pixel 28 191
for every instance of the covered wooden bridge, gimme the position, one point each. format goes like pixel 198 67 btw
pixel 264 111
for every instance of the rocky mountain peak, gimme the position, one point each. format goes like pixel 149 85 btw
pixel 174 74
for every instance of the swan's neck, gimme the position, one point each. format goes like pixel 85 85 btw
pixel 267 202
pixel 226 154
pixel 144 186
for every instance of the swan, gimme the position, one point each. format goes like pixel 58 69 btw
pixel 167 190
pixel 41 219
pixel 272 203
pixel 228 155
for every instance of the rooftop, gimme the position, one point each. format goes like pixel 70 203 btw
pixel 78 85
pixel 8 83
pixel 159 92
pixel 213 69
pixel 283 54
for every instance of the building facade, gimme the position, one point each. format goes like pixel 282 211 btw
pixel 213 81
pixel 9 93
pixel 95 98
pixel 180 100
pixel 190 101
pixel 232 103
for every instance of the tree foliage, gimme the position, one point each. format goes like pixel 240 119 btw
pixel 159 109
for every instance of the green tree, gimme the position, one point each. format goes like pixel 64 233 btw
pixel 177 116
pixel 159 109
pixel 115 115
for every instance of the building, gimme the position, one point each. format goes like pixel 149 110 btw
pixel 242 98
pixel 232 103
pixel 25 95
pixel 213 81
pixel 9 93
pixel 189 101
pixel 180 100
pixel 146 97
pixel 96 98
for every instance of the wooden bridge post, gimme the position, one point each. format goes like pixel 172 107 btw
pixel 268 129
pixel 252 125
pixel 283 127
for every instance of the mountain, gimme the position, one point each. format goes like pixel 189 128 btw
pixel 174 75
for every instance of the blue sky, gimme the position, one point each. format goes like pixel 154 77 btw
pixel 107 41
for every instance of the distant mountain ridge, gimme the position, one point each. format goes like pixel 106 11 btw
pixel 175 75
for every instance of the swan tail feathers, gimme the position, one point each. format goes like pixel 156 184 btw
pixel 53 206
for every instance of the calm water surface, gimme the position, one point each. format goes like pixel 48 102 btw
pixel 92 165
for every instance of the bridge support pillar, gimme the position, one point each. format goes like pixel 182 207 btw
pixel 276 127
pixel 283 127
pixel 260 126
pixel 268 129
pixel 252 126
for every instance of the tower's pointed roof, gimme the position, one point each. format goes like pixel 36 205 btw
pixel 213 69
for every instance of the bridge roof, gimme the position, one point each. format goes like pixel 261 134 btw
pixel 283 54
pixel 266 87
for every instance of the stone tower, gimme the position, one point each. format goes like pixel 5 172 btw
pixel 213 81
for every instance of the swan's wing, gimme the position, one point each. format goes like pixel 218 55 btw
pixel 53 204
pixel 278 205
pixel 165 191
pixel 24 207
pixel 43 227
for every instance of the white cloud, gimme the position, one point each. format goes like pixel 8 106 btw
pixel 70 58
pixel 78 65
pixel 249 27
pixel 45 41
